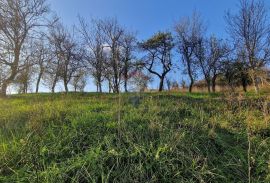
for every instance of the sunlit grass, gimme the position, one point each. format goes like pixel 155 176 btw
pixel 168 137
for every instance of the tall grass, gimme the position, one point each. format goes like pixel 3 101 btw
pixel 161 138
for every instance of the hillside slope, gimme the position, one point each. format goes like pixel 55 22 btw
pixel 148 138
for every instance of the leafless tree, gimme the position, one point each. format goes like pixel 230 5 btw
pixel 188 32
pixel 68 55
pixel 113 33
pixel 158 49
pixel 94 41
pixel 129 62
pixel 19 20
pixel 250 27
pixel 209 55
pixel 42 56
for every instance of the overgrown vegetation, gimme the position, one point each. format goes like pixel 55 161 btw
pixel 160 138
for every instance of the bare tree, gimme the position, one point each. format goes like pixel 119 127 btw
pixel 93 40
pixel 129 63
pixel 68 55
pixel 158 50
pixel 210 53
pixel 42 56
pixel 219 51
pixel 203 61
pixel 188 32
pixel 19 20
pixel 113 34
pixel 250 27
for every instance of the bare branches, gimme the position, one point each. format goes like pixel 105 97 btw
pixel 189 31
pixel 18 20
pixel 250 27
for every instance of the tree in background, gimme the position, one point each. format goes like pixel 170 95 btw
pixel 79 80
pixel 128 58
pixel 42 56
pixel 19 20
pixel 68 56
pixel 158 49
pixel 250 27
pixel 113 33
pixel 209 54
pixel 139 80
pixel 188 32
pixel 94 41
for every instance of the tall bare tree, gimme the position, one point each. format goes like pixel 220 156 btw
pixel 128 59
pixel 94 41
pixel 189 31
pixel 250 27
pixel 42 56
pixel 158 49
pixel 113 33
pixel 68 55
pixel 19 19
pixel 210 53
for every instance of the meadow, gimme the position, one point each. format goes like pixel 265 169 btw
pixel 151 137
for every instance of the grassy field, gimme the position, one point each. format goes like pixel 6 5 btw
pixel 147 138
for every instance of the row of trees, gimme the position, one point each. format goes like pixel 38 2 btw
pixel 35 47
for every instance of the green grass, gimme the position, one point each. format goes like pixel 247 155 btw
pixel 168 137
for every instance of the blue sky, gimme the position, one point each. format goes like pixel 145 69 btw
pixel 147 16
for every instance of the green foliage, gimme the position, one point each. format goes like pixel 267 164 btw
pixel 168 137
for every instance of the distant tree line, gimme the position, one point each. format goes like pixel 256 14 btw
pixel 36 48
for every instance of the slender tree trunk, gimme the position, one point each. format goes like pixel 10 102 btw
pixel 126 77
pixel 66 86
pixel 25 88
pixel 53 86
pixel 125 85
pixel 191 77
pixel 116 85
pixel 38 81
pixel 191 85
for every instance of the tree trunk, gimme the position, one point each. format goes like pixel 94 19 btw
pixel 161 83
pixel 100 87
pixel 214 84
pixel 190 85
pixel 191 77
pixel 244 84
pixel 254 80
pixel 3 90
pixel 38 81
pixel 66 86
pixel 209 87
pixel 125 85
pixel 26 88
pixel 208 82
pixel 54 83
